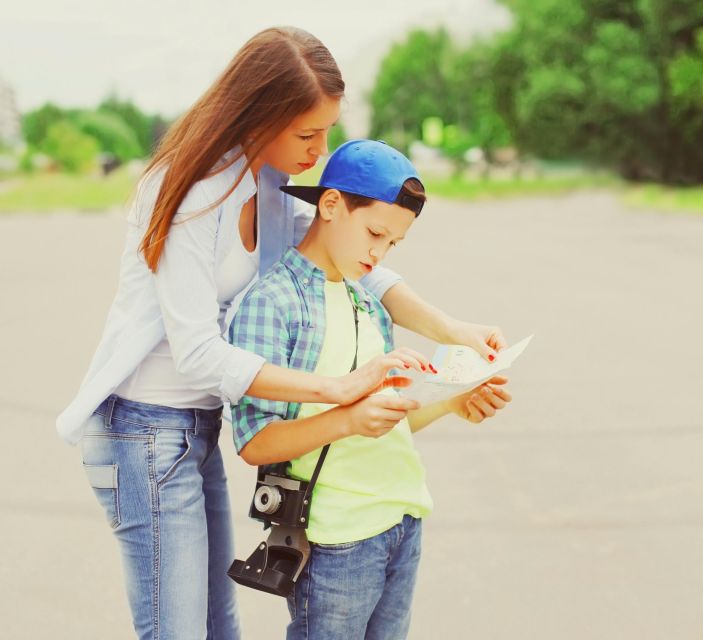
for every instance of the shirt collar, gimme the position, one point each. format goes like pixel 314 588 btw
pixel 307 271
pixel 303 269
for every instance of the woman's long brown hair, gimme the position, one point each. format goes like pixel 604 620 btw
pixel 277 75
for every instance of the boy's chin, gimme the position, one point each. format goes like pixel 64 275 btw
pixel 357 273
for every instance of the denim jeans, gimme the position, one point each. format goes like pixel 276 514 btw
pixel 158 473
pixel 358 590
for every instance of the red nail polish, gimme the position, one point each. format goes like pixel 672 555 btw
pixel 491 357
pixel 407 366
pixel 423 367
pixel 432 369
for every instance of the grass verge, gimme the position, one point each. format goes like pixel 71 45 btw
pixel 46 192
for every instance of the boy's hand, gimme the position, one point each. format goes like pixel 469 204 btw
pixel 376 415
pixel 372 376
pixel 482 402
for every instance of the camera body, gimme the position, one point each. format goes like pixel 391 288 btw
pixel 280 499
pixel 282 503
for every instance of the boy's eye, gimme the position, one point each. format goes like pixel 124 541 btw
pixel 307 137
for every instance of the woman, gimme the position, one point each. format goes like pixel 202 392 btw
pixel 207 218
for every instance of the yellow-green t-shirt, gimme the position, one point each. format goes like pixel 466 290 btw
pixel 366 485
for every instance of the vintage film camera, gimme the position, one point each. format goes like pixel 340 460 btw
pixel 283 504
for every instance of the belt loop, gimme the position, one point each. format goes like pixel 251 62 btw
pixel 196 419
pixel 108 411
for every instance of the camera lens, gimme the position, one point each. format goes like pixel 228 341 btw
pixel 267 499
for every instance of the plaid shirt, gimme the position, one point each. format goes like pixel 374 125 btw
pixel 282 318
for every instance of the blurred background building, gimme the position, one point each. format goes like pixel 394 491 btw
pixel 9 114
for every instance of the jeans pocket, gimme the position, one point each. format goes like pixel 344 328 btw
pixel 171 449
pixel 104 480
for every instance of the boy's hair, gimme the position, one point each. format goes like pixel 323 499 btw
pixel 411 187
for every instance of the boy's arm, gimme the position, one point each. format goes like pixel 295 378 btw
pixel 260 327
pixel 289 439
pixel 371 417
pixel 475 405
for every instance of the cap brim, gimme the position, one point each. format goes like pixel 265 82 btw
pixel 309 194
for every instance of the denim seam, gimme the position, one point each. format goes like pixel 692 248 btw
pixel 116 497
pixel 155 536
pixel 172 469
pixel 306 596
pixel 118 436
pixel 143 424
pixel 209 624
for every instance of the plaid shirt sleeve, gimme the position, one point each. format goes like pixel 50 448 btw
pixel 259 327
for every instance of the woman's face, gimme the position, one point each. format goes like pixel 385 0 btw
pixel 298 147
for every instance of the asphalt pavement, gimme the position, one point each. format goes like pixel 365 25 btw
pixel 577 513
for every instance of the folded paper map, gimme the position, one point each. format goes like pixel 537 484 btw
pixel 460 369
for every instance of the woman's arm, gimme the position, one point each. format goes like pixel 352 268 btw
pixel 475 405
pixel 409 310
pixel 371 417
pixel 292 385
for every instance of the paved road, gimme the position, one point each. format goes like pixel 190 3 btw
pixel 577 514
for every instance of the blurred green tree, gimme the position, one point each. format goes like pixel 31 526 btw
pixel 411 85
pixel 426 81
pixel 615 83
pixel 36 123
pixel 71 149
pixel 113 134
pixel 475 121
pixel 143 125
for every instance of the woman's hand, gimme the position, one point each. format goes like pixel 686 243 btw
pixel 376 415
pixel 373 376
pixel 482 402
pixel 485 339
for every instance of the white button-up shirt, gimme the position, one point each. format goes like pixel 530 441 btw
pixel 180 301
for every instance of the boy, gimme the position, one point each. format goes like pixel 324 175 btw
pixel 308 312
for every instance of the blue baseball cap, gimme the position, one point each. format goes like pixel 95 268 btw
pixel 368 168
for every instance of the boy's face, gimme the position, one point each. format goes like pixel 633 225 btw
pixel 356 241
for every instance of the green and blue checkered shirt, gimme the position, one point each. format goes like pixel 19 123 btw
pixel 282 319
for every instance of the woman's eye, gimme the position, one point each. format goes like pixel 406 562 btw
pixel 374 234
pixel 306 137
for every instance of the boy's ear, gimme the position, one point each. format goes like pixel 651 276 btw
pixel 329 203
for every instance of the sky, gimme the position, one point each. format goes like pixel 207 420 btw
pixel 75 52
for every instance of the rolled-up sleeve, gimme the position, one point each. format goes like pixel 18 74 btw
pixel 187 293
pixel 380 280
pixel 259 327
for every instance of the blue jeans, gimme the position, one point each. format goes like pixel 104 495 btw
pixel 158 473
pixel 358 590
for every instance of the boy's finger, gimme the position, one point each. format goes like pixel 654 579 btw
pixel 398 403
pixel 391 415
pixel 502 394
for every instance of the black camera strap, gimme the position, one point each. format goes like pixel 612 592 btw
pixel 326 448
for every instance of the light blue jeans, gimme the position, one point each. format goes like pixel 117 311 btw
pixel 358 590
pixel 158 473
